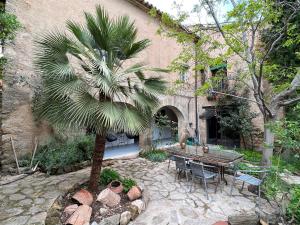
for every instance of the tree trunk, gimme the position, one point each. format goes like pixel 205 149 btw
pixel 97 162
pixel 268 146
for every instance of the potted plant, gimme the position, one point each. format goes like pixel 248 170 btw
pixel 205 148
pixel 116 186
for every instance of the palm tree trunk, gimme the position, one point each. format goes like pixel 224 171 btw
pixel 97 162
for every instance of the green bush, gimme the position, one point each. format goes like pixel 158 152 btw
pixel 128 183
pixel 251 155
pixel 25 161
pixel 291 163
pixel 293 211
pixel 108 175
pixel 155 155
pixel 56 155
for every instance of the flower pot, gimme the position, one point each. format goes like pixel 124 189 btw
pixel 115 186
pixel 205 149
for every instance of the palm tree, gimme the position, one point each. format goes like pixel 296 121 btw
pixel 86 84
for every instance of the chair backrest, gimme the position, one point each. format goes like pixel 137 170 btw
pixel 197 169
pixel 180 162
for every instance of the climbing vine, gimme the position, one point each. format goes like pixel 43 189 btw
pixel 9 25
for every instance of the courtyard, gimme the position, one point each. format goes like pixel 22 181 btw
pixel 28 200
pixel 148 112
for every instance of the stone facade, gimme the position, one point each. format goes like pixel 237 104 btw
pixel 38 17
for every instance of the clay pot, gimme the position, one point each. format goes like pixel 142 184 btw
pixel 83 197
pixel 205 149
pixel 116 186
pixel 134 193
pixel 109 198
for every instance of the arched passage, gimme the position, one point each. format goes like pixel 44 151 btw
pixel 165 126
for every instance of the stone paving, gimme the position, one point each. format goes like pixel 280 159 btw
pixel 172 203
pixel 26 201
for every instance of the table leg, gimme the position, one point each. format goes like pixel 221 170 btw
pixel 223 175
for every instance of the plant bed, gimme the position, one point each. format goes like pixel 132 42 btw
pixel 125 210
pixel 99 210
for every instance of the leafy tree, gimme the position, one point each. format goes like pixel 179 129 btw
pixel 87 86
pixel 238 117
pixel 283 61
pixel 239 37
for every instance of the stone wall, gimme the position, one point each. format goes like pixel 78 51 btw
pixel 20 80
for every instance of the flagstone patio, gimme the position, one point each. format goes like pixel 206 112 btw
pixel 26 201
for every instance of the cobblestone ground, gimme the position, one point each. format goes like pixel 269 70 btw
pixel 27 201
pixel 172 203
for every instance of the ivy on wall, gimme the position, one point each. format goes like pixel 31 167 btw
pixel 9 25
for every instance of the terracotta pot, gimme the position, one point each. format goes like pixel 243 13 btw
pixel 83 197
pixel 205 149
pixel 116 186
pixel 134 193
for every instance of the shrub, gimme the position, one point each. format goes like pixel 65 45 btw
pixel 155 155
pixel 108 175
pixel 250 155
pixel 128 183
pixel 56 155
pixel 25 161
pixel 293 211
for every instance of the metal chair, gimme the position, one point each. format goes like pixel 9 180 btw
pixel 247 176
pixel 171 158
pixel 198 171
pixel 181 166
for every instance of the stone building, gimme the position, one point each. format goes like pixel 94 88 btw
pixel 38 17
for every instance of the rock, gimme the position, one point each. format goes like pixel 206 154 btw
pixel 125 218
pixel 134 193
pixel 290 179
pixel 94 223
pixel 81 216
pixel 134 211
pixel 103 211
pixel 140 204
pixel 17 197
pixel 84 197
pixel 243 219
pixel 109 198
pixel 70 209
pixel 112 220
pixel 221 223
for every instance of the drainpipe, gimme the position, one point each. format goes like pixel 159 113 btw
pixel 197 133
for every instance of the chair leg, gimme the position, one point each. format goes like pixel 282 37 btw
pixel 187 177
pixel 217 186
pixel 232 186
pixel 192 184
pixel 205 186
pixel 242 186
pixel 258 202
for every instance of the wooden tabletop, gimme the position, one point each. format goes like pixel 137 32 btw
pixel 215 157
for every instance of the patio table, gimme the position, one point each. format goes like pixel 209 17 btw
pixel 220 158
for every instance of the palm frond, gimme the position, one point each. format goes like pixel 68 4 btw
pixel 84 82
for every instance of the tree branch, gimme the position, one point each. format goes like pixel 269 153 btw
pixel 295 84
pixel 290 101
pixel 212 12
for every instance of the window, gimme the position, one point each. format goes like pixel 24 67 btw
pixel 183 76
pixel 220 72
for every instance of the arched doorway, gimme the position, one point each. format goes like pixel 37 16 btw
pixel 165 126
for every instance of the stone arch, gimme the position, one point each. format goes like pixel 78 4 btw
pixel 178 107
pixel 166 135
